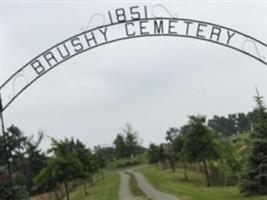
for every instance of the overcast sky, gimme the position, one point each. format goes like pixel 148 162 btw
pixel 151 83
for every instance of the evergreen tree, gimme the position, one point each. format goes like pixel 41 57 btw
pixel 254 180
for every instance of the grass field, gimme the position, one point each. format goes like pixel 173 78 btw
pixel 195 189
pixel 105 189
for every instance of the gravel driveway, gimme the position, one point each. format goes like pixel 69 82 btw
pixel 151 192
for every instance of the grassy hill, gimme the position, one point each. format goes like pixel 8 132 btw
pixel 195 189
pixel 105 189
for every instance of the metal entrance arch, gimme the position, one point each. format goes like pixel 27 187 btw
pixel 118 29
pixel 131 29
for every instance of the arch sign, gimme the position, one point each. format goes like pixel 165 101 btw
pixel 124 24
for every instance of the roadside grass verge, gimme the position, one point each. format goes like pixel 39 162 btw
pixel 194 189
pixel 105 189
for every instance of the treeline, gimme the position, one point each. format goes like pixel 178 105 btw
pixel 228 150
pixel 68 163
pixel 232 124
pixel 127 148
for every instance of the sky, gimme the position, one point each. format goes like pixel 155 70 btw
pixel 151 83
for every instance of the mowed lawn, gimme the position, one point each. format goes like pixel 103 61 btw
pixel 195 189
pixel 105 189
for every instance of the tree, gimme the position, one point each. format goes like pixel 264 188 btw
pixel 99 160
pixel 254 179
pixel 131 141
pixel 156 154
pixel 172 150
pixel 15 142
pixel 16 145
pixel 33 161
pixel 26 160
pixel 120 147
pixel 232 124
pixel 126 144
pixel 224 126
pixel 46 180
pixel 63 167
pixel 200 144
pixel 153 154
pixel 243 123
pixel 108 153
pixel 180 148
pixel 86 159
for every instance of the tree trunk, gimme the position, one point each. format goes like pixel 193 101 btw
pixel 102 174
pixel 85 189
pixel 172 165
pixel 67 190
pixel 206 173
pixel 185 172
pixel 158 165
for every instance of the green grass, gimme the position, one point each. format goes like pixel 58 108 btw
pixel 195 189
pixel 105 189
pixel 127 163
pixel 134 188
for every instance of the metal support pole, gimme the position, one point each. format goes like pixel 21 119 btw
pixel 7 151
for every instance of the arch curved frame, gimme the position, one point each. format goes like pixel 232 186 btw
pixel 257 49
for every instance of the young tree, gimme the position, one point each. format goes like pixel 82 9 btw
pixel 86 159
pixel 63 167
pixel 120 147
pixel 99 160
pixel 46 180
pixel 180 148
pixel 200 143
pixel 131 141
pixel 254 180
pixel 172 149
